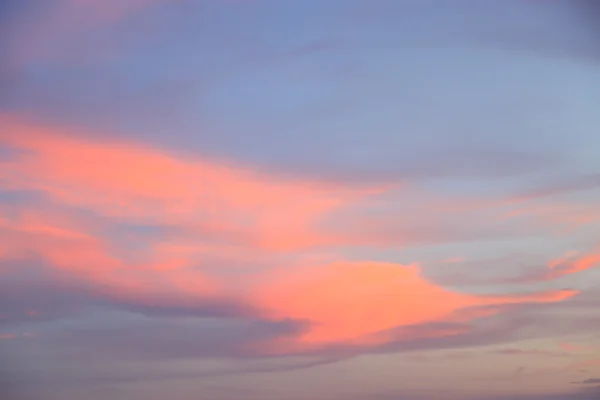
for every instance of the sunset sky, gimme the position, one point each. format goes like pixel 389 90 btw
pixel 299 200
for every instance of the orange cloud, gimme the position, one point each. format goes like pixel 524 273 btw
pixel 343 302
pixel 75 251
pixel 242 213
pixel 569 264
pixel 82 255
pixel 134 182
pixel 349 301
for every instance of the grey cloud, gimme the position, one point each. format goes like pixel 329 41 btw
pixel 417 222
pixel 560 186
pixel 534 352
pixel 159 339
pixel 589 381
pixel 29 286
pixel 88 377
pixel 26 287
pixel 549 396
pixel 587 393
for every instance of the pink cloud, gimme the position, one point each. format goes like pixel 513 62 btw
pixel 571 264
pixel 130 181
pixel 354 302
pixel 245 214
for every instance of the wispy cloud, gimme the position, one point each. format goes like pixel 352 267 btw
pixel 589 381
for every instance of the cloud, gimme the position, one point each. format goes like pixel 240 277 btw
pixel 42 294
pixel 562 267
pixel 171 339
pixel 127 181
pixel 381 296
pixel 91 202
pixel 569 264
pixel 589 381
pixel 549 396
pixel 561 187
pixel 127 226
pixel 575 347
pixel 529 352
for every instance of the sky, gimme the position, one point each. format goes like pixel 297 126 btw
pixel 303 200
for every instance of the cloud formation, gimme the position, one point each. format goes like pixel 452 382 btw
pixel 94 223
